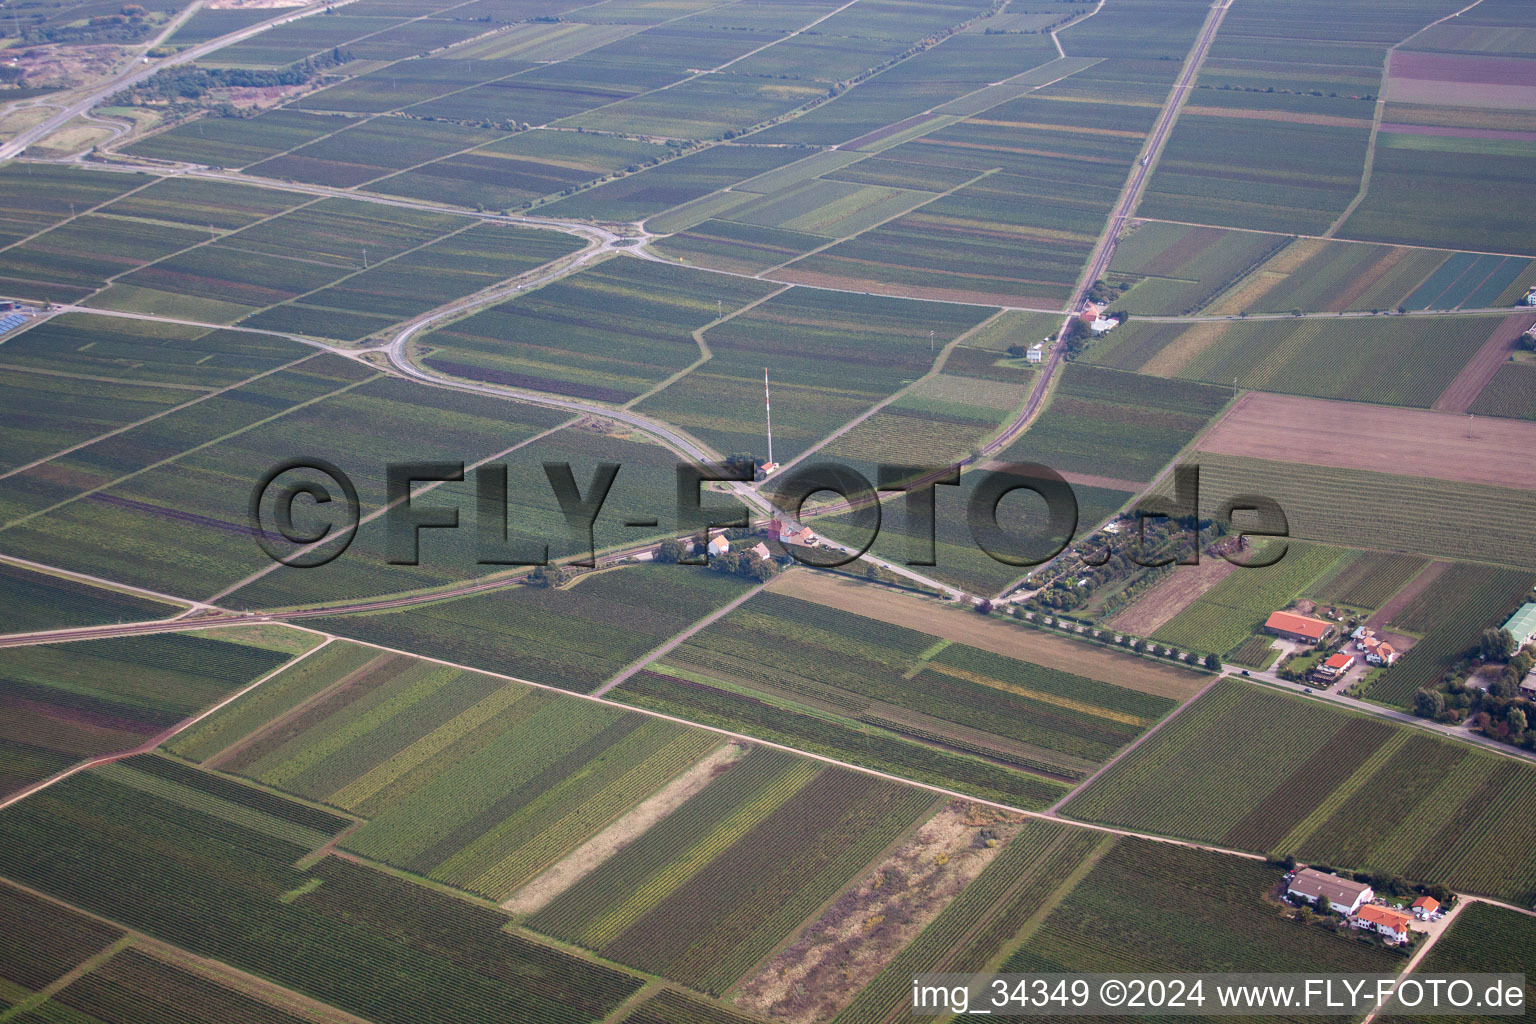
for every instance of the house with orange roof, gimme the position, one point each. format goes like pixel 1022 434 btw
pixel 1300 628
pixel 1390 923
pixel 1378 651
pixel 1334 668
pixel 1425 906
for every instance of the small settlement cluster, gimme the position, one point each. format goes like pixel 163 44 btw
pixel 1362 645
pixel 1357 903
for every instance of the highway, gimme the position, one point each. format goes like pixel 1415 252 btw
pixel 139 71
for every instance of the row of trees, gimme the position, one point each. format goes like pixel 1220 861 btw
pixel 190 82
pixel 732 563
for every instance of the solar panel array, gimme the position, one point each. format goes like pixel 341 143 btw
pixel 11 321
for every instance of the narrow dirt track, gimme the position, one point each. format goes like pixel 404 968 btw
pixel 1459 395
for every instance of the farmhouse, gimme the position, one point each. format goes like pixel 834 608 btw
pixel 719 545
pixel 1391 923
pixel 1522 624
pixel 1378 652
pixel 1342 894
pixel 1424 906
pixel 1301 628
pixel 760 550
pixel 1103 325
pixel 1036 352
pixel 1335 667
pixel 1528 685
pixel 803 537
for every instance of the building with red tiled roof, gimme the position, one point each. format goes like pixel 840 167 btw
pixel 1425 905
pixel 1336 666
pixel 1301 628
pixel 1386 921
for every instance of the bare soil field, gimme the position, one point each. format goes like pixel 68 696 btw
pixel 1154 609
pixel 988 634
pixel 1459 395
pixel 1404 597
pixel 1463 68
pixel 1405 442
pixel 864 928
pixel 64 65
pixel 1461 94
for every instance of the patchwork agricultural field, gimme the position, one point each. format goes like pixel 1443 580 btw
pixel 894 699
pixel 31 600
pixel 574 637
pixel 609 333
pixel 66 702
pixel 1449 615
pixel 833 357
pixel 1328 786
pixel 1114 425
pixel 1383 511
pixel 1320 357
pixel 719 883
pixel 527 166
pixel 1175 269
pixel 1234 609
pixel 214 890
pixel 1315 275
pixel 425 782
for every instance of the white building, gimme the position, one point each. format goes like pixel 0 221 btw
pixel 1394 924
pixel 1342 895
pixel 1036 352
pixel 1103 325
pixel 719 545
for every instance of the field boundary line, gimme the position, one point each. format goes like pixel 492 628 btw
pixel 677 640
pixel 1138 741
pixel 823 758
pixel 213 762
pixel 1354 241
pixel 1416 958
pixel 68 978
pixel 193 450
pixel 934 808
pixel 1052 900
pixel 150 419
pixel 105 584
pixel 205 967
pixel 1370 147
pixel 414 493
pixel 705 352
pixel 939 362
pixel 933 197
pixel 1060 53
pixel 154 741
pixel 75 216
pixel 133 381
pixel 1325 808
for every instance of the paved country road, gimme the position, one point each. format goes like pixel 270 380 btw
pixel 139 71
